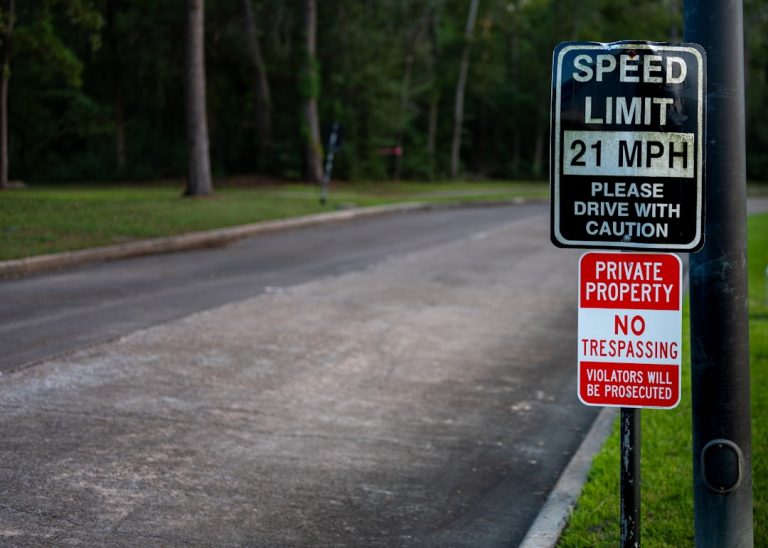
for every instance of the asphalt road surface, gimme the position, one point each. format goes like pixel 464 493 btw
pixel 406 380
pixel 45 315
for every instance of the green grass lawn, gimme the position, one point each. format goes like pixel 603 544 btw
pixel 42 220
pixel 667 496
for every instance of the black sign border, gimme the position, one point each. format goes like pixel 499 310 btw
pixel 556 159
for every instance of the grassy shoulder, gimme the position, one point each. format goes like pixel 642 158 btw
pixel 42 220
pixel 667 497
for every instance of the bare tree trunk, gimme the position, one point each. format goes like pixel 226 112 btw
pixel 432 135
pixel 434 98
pixel 261 83
pixel 119 133
pixel 199 176
pixel 538 153
pixel 313 150
pixel 516 149
pixel 5 69
pixel 117 86
pixel 404 97
pixel 458 112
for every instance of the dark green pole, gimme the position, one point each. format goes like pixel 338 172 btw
pixel 722 447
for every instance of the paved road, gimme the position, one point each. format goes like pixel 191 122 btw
pixel 401 381
pixel 48 314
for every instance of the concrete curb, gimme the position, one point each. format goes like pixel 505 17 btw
pixel 210 238
pixel 553 517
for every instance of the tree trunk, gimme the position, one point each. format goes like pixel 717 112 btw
pixel 119 134
pixel 199 175
pixel 432 135
pixel 458 112
pixel 5 74
pixel 434 94
pixel 261 83
pixel 538 154
pixel 117 86
pixel 313 149
pixel 404 98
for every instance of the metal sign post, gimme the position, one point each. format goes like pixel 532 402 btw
pixel 722 451
pixel 333 146
pixel 630 477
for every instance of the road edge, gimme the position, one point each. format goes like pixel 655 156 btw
pixel 554 515
pixel 213 238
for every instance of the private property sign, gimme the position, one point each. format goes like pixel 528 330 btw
pixel 627 142
pixel 630 329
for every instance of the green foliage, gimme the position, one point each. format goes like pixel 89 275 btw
pixel 46 53
pixel 51 117
pixel 382 69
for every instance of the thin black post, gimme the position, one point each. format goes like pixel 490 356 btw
pixel 722 449
pixel 333 139
pixel 630 477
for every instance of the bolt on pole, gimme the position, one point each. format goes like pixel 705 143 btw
pixel 722 451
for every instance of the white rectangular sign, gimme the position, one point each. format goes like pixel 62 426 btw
pixel 630 329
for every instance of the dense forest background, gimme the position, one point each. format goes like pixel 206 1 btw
pixel 97 87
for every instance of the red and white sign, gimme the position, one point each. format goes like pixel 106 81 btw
pixel 630 329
